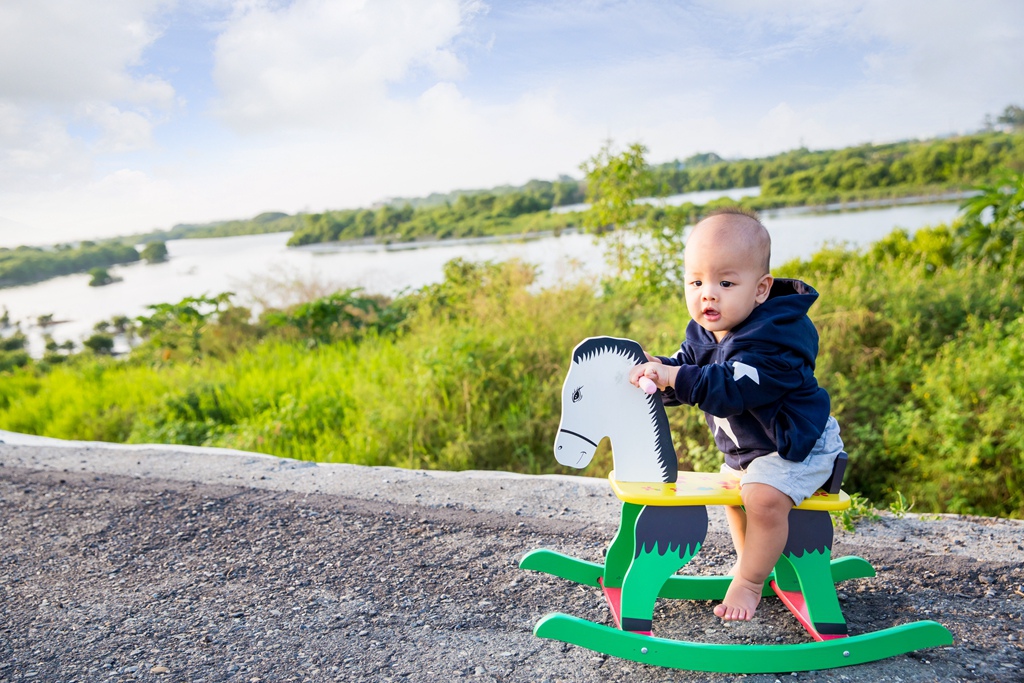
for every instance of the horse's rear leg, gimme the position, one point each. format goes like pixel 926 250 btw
pixel 805 568
pixel 665 539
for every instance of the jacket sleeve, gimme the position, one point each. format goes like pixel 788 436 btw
pixel 748 380
pixel 681 358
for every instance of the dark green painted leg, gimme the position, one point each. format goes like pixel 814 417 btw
pixel 804 567
pixel 666 539
pixel 785 575
pixel 620 552
pixel 644 580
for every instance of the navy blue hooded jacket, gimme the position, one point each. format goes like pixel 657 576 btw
pixel 757 386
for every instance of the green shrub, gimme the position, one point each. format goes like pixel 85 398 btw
pixel 959 435
pixel 9 360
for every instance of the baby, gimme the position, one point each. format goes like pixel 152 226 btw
pixel 748 363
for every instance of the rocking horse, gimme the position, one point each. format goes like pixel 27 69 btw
pixel 663 525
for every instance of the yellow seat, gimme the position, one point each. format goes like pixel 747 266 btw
pixel 708 488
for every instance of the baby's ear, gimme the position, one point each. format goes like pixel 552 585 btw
pixel 764 286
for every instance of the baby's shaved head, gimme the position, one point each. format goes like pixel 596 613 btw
pixel 739 229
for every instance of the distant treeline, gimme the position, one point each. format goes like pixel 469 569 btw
pixel 949 162
pixel 795 178
pixel 563 192
pixel 271 221
pixel 25 265
pixel 470 215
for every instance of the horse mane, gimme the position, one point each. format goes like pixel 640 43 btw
pixel 666 452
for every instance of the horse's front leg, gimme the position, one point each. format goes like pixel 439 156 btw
pixel 665 539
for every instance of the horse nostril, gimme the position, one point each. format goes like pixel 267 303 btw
pixel 559 448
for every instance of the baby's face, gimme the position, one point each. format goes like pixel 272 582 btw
pixel 724 281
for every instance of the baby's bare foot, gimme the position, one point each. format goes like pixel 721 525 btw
pixel 740 601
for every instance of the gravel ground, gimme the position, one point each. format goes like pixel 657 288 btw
pixel 182 564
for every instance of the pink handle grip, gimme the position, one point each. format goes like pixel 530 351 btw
pixel 647 385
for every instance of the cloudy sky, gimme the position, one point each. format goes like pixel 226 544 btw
pixel 129 115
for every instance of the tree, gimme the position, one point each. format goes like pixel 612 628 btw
pixel 646 244
pixel 100 277
pixel 100 344
pixel 15 342
pixel 614 184
pixel 993 219
pixel 181 325
pixel 155 252
pixel 1012 116
pixel 331 317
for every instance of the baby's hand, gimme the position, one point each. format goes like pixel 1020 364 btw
pixel 660 375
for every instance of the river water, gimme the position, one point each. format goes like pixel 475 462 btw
pixel 262 268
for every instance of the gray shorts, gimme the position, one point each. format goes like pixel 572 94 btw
pixel 798 480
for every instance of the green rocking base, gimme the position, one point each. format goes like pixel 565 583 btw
pixel 681 654
pixel 710 657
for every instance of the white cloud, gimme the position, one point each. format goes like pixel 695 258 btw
pixel 69 88
pixel 120 131
pixel 947 48
pixel 61 51
pixel 440 140
pixel 36 152
pixel 328 62
pixel 921 68
pixel 311 85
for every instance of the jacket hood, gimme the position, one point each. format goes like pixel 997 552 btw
pixel 788 299
pixel 780 321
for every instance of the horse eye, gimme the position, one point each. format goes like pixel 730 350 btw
pixel 577 395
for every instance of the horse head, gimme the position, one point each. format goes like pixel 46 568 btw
pixel 598 401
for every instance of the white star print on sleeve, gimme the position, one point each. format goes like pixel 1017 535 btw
pixel 741 370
